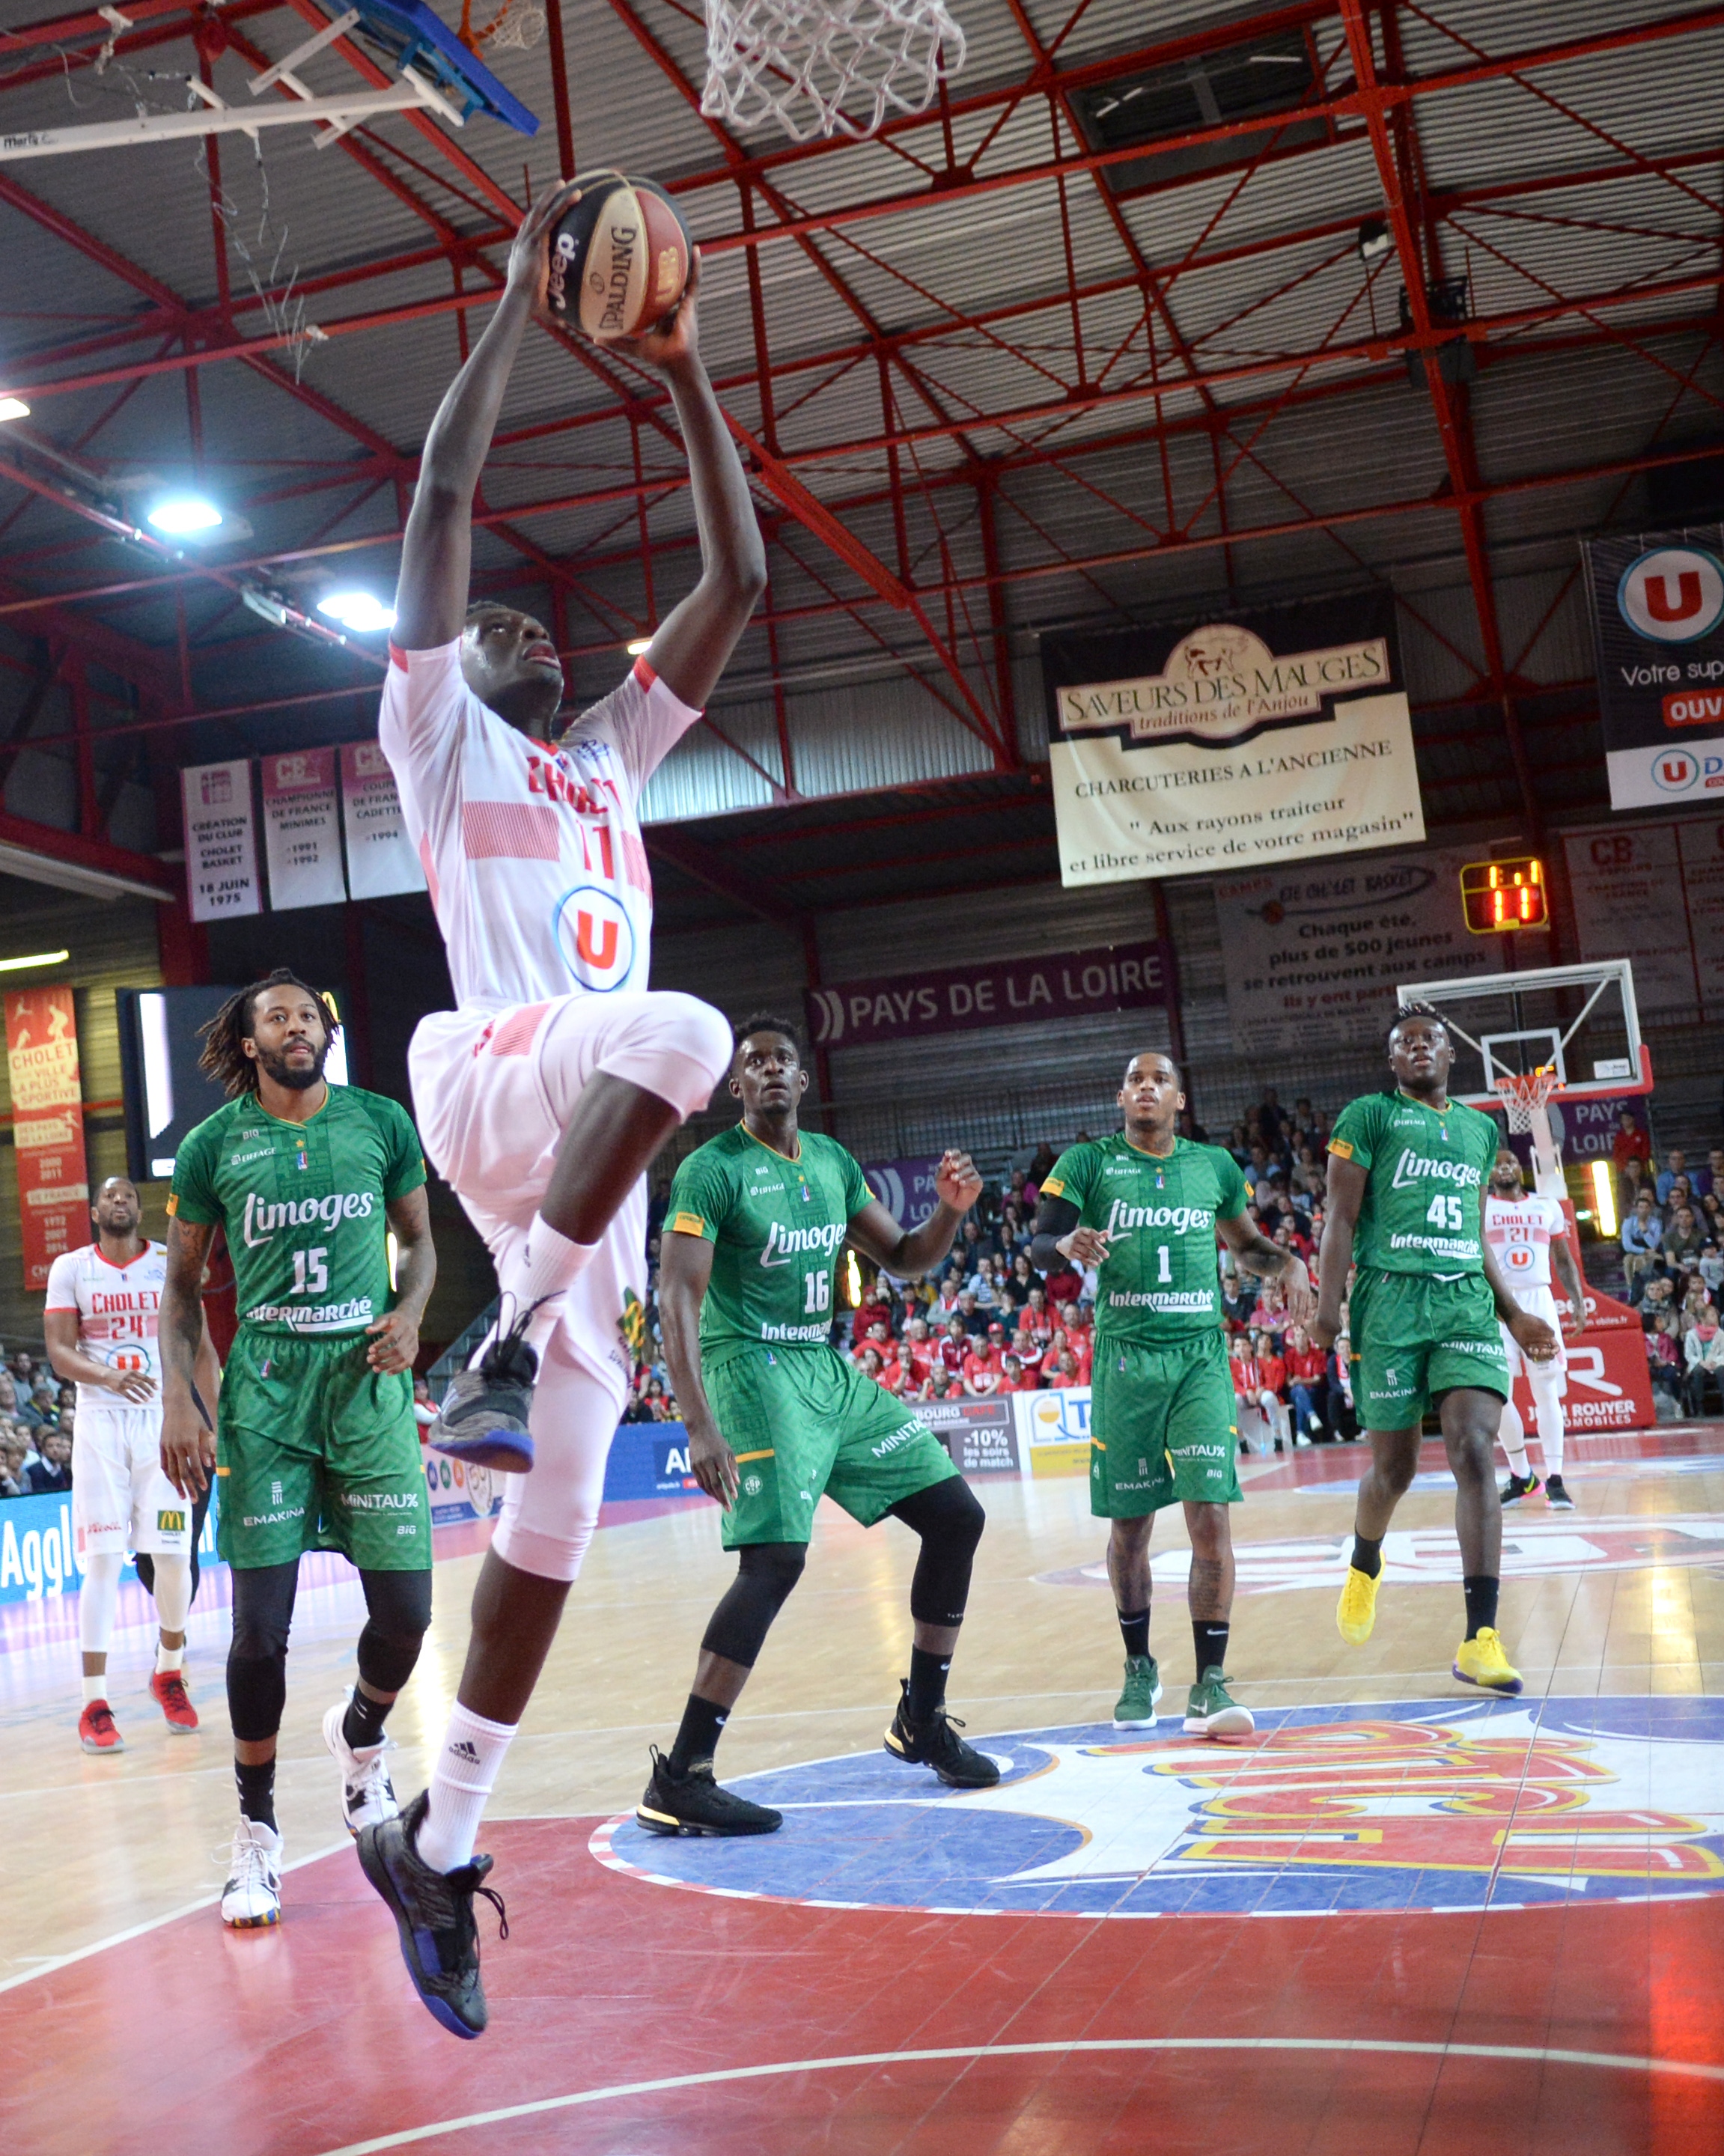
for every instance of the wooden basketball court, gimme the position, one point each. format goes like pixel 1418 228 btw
pixel 1401 1917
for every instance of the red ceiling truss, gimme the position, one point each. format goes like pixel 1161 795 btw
pixel 1176 349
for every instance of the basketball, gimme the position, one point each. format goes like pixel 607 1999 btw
pixel 619 259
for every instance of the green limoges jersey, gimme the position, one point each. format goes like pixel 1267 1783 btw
pixel 776 1227
pixel 1160 1281
pixel 301 1205
pixel 1425 1183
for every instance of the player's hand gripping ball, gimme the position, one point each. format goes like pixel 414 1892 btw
pixel 619 258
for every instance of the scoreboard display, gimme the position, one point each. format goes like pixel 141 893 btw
pixel 1499 896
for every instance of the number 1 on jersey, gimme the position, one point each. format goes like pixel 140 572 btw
pixel 1164 1278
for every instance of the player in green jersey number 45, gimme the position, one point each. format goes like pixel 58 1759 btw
pixel 1407 1169
pixel 776 1416
pixel 1145 1208
pixel 317 1447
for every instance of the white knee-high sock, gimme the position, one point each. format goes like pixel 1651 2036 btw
pixel 98 1599
pixel 173 1606
pixel 1548 1409
pixel 465 1773
pixel 545 1267
pixel 1512 1433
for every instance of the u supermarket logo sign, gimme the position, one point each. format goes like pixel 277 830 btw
pixel 1673 595
pixel 596 937
pixel 1329 1810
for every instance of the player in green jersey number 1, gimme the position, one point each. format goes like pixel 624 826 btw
pixel 317 1446
pixel 1407 1170
pixel 776 1416
pixel 1145 1208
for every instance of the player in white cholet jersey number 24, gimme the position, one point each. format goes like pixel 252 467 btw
pixel 544 1093
pixel 100 1322
pixel 1529 1234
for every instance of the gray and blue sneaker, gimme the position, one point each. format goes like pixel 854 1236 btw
pixel 433 1914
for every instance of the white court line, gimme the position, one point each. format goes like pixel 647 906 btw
pixel 1532 2054
pixel 152 1923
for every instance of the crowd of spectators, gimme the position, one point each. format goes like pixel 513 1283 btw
pixel 1673 1260
pixel 988 1323
pixel 36 1418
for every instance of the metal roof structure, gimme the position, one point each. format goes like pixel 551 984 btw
pixel 1155 307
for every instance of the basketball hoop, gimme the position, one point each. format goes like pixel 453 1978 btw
pixel 517 27
pixel 1523 1096
pixel 801 62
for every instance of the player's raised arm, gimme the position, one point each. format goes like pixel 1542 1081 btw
pixel 685 1268
pixel 187 1441
pixel 1342 1200
pixel 699 634
pixel 909 1252
pixel 1255 1253
pixel 431 598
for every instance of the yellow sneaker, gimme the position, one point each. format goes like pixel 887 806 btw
pixel 1480 1660
pixel 1357 1611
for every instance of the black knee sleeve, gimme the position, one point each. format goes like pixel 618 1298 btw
pixel 766 1573
pixel 257 1654
pixel 950 1520
pixel 398 1614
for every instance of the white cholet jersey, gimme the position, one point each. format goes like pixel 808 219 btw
pixel 1520 1232
pixel 117 1306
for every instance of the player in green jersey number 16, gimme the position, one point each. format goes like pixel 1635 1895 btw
pixel 776 1416
pixel 317 1446
pixel 1407 1170
pixel 1145 1208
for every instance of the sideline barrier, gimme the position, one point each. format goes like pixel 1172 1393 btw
pixel 38 1557
pixel 1054 1432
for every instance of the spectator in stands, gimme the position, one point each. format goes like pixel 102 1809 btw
pixel 917 1353
pixel 1188 1125
pixel 1037 1320
pixel 1005 1310
pixel 1040 1167
pixel 1065 1373
pixel 1682 1239
pixel 954 1346
pixel 875 1308
pixel 1709 1181
pixel 1343 1415
pixel 945 1306
pixel 424 1407
pixel 1066 1285
pixel 875 1342
pixel 984 1366
pixel 1307 1382
pixel 1024 1277
pixel 1253 1391
pixel 1636 1177
pixel 1239 1301
pixel 1657 1300
pixel 1676 1165
pixel 1709 1266
pixel 1270 1117
pixel 9 1396
pixel 14 1481
pixel 53 1471
pixel 29 1410
pixel 1642 1235
pixel 1694 1301
pixel 1703 1358
pixel 1013 1378
pixel 1630 1141
pixel 1663 1355
pixel 869 1363
pixel 971 1314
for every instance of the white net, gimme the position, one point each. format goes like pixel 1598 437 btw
pixel 519 27
pixel 1523 1097
pixel 820 66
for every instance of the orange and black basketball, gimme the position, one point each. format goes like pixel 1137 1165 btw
pixel 619 258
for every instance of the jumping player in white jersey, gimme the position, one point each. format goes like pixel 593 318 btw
pixel 1529 1234
pixel 544 1095
pixel 100 1325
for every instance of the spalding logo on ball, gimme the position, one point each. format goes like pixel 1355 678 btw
pixel 619 257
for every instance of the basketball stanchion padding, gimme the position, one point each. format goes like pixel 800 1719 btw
pixel 619 258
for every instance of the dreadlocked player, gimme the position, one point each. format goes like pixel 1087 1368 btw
pixel 1407 1168
pixel 317 1447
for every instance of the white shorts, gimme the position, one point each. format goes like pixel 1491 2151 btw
pixel 1538 1302
pixel 494 1091
pixel 121 1499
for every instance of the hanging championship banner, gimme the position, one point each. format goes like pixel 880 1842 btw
pixel 1229 745
pixel 301 842
pixel 1310 949
pixel 47 1127
pixel 1657 601
pixel 221 842
pixel 381 859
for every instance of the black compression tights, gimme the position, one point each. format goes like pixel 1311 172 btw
pixel 398 1611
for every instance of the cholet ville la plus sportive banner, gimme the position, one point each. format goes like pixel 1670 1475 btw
pixel 1658 633
pixel 1230 744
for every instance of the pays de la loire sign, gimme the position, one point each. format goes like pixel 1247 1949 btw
pixel 1072 984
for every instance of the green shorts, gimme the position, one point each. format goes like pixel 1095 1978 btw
pixel 1415 1337
pixel 801 1421
pixel 1163 1427
pixel 317 1450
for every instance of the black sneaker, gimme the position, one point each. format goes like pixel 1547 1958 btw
pixel 937 1744
pixel 484 1416
pixel 693 1803
pixel 1556 1495
pixel 433 1914
pixel 1518 1486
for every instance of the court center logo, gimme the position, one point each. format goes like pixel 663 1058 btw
pixel 596 937
pixel 1422 1804
pixel 1673 595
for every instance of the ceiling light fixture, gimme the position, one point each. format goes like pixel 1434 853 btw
pixel 36 958
pixel 183 516
pixel 359 611
pixel 1375 239
pixel 13 407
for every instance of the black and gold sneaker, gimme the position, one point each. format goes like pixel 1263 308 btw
pixel 694 1803
pixel 937 1743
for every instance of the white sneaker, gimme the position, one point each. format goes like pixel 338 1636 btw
pixel 252 1897
pixel 368 1798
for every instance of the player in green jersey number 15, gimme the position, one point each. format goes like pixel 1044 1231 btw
pixel 1145 1208
pixel 1407 1170
pixel 776 1416
pixel 317 1446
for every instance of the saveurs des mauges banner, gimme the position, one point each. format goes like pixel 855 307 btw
pixel 1232 744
